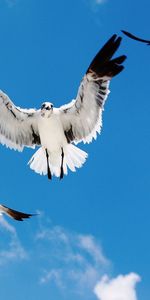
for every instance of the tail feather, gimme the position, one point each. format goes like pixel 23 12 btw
pixel 70 163
pixel 73 158
pixel 38 162
pixel 77 156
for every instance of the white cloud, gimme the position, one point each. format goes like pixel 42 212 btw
pixel 10 3
pixel 99 1
pixel 68 261
pixel 94 4
pixel 81 259
pixel 89 244
pixel 14 250
pixel 53 275
pixel 6 226
pixel 120 288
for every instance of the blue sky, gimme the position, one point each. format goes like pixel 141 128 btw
pixel 91 239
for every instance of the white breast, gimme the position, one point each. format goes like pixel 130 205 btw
pixel 51 133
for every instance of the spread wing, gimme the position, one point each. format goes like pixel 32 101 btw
pixel 136 38
pixel 17 215
pixel 82 118
pixel 18 127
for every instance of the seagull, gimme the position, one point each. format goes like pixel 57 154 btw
pixel 14 214
pixel 57 130
pixel 130 35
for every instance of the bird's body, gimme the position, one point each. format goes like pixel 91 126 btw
pixel 56 153
pixel 53 140
pixel 51 132
pixel 56 130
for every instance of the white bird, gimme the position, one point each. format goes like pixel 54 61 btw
pixel 16 215
pixel 56 129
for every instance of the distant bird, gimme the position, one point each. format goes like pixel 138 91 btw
pixel 135 37
pixel 56 129
pixel 17 215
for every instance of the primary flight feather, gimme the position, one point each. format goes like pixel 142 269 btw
pixel 14 214
pixel 56 130
pixel 136 38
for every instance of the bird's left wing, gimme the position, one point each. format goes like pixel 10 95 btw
pixel 136 38
pixel 82 118
pixel 16 215
pixel 18 127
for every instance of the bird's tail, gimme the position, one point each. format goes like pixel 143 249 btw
pixel 57 163
pixel 75 157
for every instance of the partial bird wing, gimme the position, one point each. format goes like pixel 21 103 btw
pixel 17 215
pixel 18 127
pixel 130 35
pixel 82 118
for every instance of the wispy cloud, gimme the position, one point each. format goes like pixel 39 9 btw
pixel 10 3
pixel 98 2
pixel 120 288
pixel 14 250
pixel 90 245
pixel 81 259
pixel 71 262
pixel 94 5
pixel 53 275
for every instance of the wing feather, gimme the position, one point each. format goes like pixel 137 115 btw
pixel 14 214
pixel 18 127
pixel 82 117
pixel 130 35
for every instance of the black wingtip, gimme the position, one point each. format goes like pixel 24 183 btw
pixel 106 52
pixel 22 216
pixel 125 32
pixel 136 38
pixel 103 64
pixel 15 214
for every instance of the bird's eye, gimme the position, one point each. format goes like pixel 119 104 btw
pixel 43 105
pixel 52 105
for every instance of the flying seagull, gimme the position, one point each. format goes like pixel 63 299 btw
pixel 56 130
pixel 135 37
pixel 17 215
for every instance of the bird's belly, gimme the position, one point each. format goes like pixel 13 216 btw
pixel 51 134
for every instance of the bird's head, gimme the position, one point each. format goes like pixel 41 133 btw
pixel 46 109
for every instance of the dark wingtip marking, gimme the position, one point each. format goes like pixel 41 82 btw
pixel 18 215
pixel 102 65
pixel 106 52
pixel 22 216
pixel 130 35
pixel 119 60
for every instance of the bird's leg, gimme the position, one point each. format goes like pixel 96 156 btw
pixel 48 168
pixel 62 161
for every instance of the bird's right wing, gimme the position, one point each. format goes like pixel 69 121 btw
pixel 18 127
pixel 16 215
pixel 82 118
pixel 136 38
